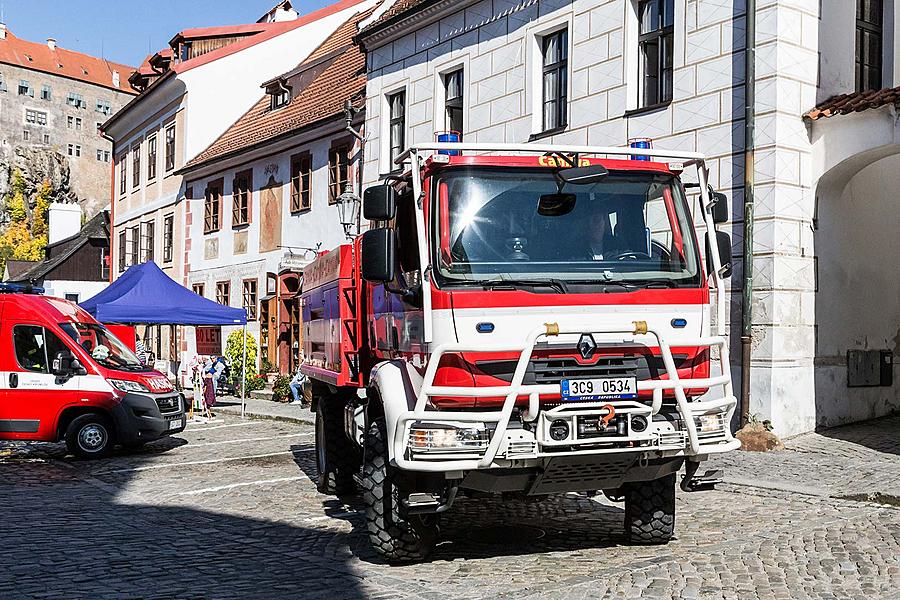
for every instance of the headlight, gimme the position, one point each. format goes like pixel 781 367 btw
pixel 424 437
pixel 713 423
pixel 128 386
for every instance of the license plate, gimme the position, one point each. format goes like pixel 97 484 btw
pixel 174 424
pixel 598 389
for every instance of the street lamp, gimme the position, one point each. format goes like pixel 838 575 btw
pixel 348 210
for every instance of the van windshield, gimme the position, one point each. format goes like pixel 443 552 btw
pixel 506 225
pixel 103 346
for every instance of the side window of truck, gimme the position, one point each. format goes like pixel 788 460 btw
pixel 36 347
pixel 407 238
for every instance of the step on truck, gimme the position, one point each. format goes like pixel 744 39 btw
pixel 522 320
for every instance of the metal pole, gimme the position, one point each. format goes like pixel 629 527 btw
pixel 749 168
pixel 244 376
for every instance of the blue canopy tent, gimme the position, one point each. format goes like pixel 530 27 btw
pixel 146 295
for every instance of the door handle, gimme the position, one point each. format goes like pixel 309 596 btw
pixel 13 380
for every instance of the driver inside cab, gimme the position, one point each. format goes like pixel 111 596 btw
pixel 602 244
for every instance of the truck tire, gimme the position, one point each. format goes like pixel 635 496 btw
pixel 90 436
pixel 395 539
pixel 337 458
pixel 650 511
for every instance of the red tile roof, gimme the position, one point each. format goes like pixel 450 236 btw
pixel 269 31
pixel 342 78
pixel 855 102
pixel 400 7
pixel 64 63
pixel 220 31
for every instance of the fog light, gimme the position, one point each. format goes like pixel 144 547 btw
pixel 638 423
pixel 559 430
pixel 711 423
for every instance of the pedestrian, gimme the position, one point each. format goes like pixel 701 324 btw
pixel 297 383
pixel 209 394
pixel 140 349
pixel 219 366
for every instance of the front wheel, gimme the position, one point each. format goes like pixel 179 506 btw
pixel 650 511
pixel 90 436
pixel 395 538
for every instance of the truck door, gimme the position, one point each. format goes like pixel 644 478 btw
pixel 31 397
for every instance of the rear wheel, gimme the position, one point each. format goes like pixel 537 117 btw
pixel 650 511
pixel 337 458
pixel 90 436
pixel 394 537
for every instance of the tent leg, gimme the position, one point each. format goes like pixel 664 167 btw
pixel 244 377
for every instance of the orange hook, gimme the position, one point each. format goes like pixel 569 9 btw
pixel 609 417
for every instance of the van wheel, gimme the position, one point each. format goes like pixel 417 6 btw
pixel 90 436
pixel 650 511
pixel 395 538
pixel 337 458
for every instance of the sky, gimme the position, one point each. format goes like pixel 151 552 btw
pixel 126 31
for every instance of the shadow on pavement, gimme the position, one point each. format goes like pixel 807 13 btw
pixel 65 534
pixel 881 435
pixel 490 527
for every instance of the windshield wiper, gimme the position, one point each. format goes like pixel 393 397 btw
pixel 527 284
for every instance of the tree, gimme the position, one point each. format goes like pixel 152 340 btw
pixel 24 237
pixel 234 352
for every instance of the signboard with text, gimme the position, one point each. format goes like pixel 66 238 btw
pixel 209 340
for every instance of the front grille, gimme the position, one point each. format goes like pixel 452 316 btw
pixel 543 370
pixel 171 404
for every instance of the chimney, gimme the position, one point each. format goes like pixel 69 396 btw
pixel 116 78
pixel 51 43
pixel 65 221
pixel 2 31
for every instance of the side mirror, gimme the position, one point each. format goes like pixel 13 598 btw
pixel 719 205
pixel 380 203
pixel 66 365
pixel 379 255
pixel 723 247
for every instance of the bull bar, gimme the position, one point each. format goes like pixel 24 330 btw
pixel 723 407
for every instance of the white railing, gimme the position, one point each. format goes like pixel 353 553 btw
pixel 516 388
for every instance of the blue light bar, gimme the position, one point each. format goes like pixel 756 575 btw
pixel 643 144
pixel 20 288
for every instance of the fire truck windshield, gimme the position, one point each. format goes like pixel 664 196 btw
pixel 103 346
pixel 524 225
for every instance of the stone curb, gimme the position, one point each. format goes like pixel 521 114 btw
pixel 235 410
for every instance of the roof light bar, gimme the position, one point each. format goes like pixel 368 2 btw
pixel 20 288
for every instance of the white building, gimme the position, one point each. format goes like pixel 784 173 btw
pixel 268 191
pixel 191 93
pixel 604 71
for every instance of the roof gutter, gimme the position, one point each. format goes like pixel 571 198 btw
pixel 749 169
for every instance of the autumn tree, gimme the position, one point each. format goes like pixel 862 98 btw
pixel 24 237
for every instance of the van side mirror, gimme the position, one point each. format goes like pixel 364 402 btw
pixel 723 247
pixel 379 255
pixel 719 206
pixel 66 365
pixel 380 203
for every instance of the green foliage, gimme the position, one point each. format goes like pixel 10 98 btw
pixel 281 389
pixel 24 237
pixel 266 366
pixel 234 353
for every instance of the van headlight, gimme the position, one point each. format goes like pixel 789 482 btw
pixel 128 386
pixel 442 437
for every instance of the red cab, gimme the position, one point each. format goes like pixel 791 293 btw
pixel 64 376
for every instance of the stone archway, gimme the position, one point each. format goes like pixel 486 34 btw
pixel 857 300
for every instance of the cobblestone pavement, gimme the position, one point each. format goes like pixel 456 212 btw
pixel 228 509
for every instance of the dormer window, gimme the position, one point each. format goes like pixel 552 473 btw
pixel 279 97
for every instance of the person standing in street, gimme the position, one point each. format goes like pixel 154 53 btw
pixel 140 349
pixel 296 385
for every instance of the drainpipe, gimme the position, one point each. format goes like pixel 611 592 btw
pixel 749 168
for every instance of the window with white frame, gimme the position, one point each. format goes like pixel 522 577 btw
pixel 869 32
pixel 74 150
pixel 555 79
pixel 453 100
pixel 397 123
pixel 35 117
pixel 656 42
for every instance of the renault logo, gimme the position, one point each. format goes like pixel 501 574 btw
pixel 586 345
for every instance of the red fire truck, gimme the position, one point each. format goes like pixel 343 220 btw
pixel 64 376
pixel 521 320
